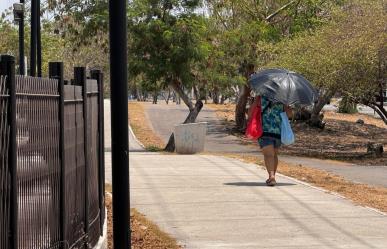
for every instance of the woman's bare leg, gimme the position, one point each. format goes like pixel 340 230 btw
pixel 269 157
pixel 275 160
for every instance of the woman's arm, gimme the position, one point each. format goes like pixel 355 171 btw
pixel 254 104
pixel 289 111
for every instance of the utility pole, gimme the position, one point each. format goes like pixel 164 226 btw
pixel 119 117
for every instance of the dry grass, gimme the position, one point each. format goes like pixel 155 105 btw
pixel 365 195
pixel 354 117
pixel 224 112
pixel 144 235
pixel 141 128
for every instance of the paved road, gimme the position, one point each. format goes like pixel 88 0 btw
pixel 360 108
pixel 163 117
pixel 214 202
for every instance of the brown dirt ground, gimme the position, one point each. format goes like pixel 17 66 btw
pixel 141 128
pixel 342 139
pixel 144 235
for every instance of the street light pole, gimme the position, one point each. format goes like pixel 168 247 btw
pixel 119 117
pixel 34 23
pixel 22 70
pixel 18 13
pixel 39 39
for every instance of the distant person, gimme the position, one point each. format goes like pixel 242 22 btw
pixel 270 141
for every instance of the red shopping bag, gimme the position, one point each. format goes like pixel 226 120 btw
pixel 254 127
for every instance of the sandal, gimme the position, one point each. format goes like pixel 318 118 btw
pixel 271 182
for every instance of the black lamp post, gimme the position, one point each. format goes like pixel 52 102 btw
pixel 34 38
pixel 36 49
pixel 39 40
pixel 119 115
pixel 18 14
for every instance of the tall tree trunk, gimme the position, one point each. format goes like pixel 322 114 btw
pixel 138 94
pixel 169 96
pixel 240 109
pixel 215 96
pixel 316 117
pixel 380 110
pixel 222 99
pixel 196 92
pixel 155 94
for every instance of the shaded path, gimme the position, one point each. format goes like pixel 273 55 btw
pixel 163 117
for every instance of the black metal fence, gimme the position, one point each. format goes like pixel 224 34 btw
pixel 51 159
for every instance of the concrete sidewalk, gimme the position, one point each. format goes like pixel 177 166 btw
pixel 216 202
pixel 133 142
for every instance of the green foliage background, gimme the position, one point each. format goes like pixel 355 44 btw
pixel 338 45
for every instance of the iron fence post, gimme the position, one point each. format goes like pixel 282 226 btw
pixel 80 79
pixel 55 71
pixel 98 75
pixel 7 67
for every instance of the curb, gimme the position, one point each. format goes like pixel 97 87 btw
pixel 333 193
pixel 102 242
pixel 135 138
pixel 320 189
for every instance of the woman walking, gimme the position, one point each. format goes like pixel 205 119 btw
pixel 270 141
pixel 288 88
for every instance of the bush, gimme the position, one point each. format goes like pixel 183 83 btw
pixel 346 106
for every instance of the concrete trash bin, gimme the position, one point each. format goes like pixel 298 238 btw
pixel 190 138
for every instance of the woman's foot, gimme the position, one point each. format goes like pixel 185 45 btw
pixel 271 182
pixel 270 177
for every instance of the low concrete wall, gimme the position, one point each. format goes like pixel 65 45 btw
pixel 190 138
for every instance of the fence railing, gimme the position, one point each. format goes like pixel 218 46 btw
pixel 51 159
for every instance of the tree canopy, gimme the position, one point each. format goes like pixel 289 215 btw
pixel 211 46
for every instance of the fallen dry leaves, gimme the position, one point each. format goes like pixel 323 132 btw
pixel 144 235
pixel 354 117
pixel 140 126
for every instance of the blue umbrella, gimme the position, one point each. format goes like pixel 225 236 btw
pixel 283 86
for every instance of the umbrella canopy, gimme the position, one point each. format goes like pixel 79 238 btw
pixel 283 86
